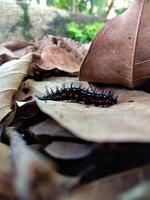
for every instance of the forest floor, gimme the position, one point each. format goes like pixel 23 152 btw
pixel 42 21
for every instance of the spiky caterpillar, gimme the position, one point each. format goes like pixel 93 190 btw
pixel 80 95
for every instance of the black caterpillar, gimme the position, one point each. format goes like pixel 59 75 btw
pixel 81 95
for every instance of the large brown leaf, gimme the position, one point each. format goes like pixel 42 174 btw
pixel 120 54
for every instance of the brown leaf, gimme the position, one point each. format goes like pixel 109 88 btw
pixel 6 54
pixel 7 191
pixel 35 176
pixel 23 51
pixel 16 44
pixel 39 88
pixel 120 53
pixel 62 144
pixel 75 48
pixel 6 175
pixel 55 57
pixel 49 127
pixel 140 192
pixel 4 158
pixel 128 120
pixel 110 188
pixel 41 43
pixel 71 46
pixel 67 150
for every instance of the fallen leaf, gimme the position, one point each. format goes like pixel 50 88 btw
pixel 77 49
pixel 23 51
pixel 7 191
pixel 140 192
pixel 16 44
pixel 6 174
pixel 35 176
pixel 6 54
pixel 49 127
pixel 128 120
pixel 67 150
pixel 44 42
pixel 4 158
pixel 55 57
pixel 25 112
pixel 120 53
pixel 11 75
pixel 73 47
pixel 111 187
pixel 34 88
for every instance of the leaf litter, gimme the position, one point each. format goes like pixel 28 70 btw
pixel 62 150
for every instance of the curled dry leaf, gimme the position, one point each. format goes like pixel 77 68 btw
pixel 55 57
pixel 11 75
pixel 120 53
pixel 128 120
pixel 111 187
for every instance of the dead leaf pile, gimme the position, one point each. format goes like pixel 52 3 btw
pixel 62 150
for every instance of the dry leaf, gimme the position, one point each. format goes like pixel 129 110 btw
pixel 126 121
pixel 71 46
pixel 6 174
pixel 23 51
pixel 41 43
pixel 35 176
pixel 120 53
pixel 140 192
pixel 49 127
pixel 11 75
pixel 6 54
pixel 110 188
pixel 55 57
pixel 39 88
pixel 16 44
pixel 75 48
pixel 4 158
pixel 7 191
pixel 62 144
pixel 67 150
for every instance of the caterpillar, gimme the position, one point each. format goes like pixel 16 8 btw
pixel 80 95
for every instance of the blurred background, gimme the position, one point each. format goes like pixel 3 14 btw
pixel 76 19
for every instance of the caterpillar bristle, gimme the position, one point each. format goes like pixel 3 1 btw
pixel 81 95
